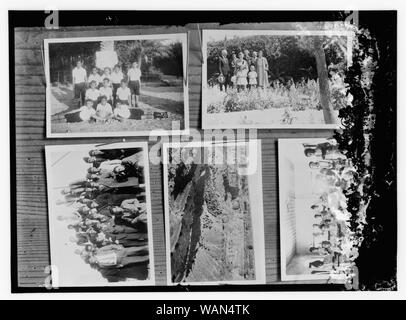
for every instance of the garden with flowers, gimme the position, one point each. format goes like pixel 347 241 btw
pixel 304 85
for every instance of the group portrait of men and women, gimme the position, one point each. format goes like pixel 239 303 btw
pixel 243 70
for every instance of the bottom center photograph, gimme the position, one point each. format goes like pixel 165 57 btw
pixel 214 213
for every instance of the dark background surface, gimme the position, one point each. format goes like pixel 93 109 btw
pixel 30 245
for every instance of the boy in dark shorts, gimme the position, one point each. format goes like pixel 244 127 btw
pixel 79 79
pixel 134 77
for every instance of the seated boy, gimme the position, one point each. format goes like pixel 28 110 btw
pixel 122 111
pixel 123 94
pixel 85 113
pixel 104 111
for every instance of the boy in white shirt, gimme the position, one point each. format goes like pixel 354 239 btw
pixel 116 77
pixel 95 76
pixel 79 78
pixel 107 91
pixel 134 77
pixel 121 112
pixel 93 93
pixel 123 95
pixel 85 113
pixel 104 111
pixel 107 74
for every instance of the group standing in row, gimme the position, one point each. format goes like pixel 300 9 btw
pixel 243 70
pixel 101 97
pixel 332 238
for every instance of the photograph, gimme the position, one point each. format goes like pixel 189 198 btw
pixel 214 224
pixel 116 86
pixel 100 225
pixel 274 78
pixel 316 239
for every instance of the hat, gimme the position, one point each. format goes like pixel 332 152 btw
pixel 221 79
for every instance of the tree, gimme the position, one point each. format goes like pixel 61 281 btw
pixel 136 50
pixel 172 62
pixel 322 74
pixel 63 57
pixel 317 45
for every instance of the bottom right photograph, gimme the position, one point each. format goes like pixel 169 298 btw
pixel 316 239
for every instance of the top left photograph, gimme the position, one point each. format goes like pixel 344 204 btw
pixel 116 86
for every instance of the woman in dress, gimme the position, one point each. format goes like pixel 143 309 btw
pixel 262 70
pixel 241 72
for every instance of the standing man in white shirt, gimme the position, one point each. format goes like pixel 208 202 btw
pixel 134 77
pixel 79 79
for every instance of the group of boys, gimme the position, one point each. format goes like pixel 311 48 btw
pixel 112 95
pixel 111 217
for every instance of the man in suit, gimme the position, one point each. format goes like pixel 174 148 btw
pixel 117 256
pixel 224 69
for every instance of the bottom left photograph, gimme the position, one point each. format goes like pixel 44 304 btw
pixel 100 225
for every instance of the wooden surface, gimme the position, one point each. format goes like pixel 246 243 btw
pixel 32 222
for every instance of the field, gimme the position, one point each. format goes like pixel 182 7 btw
pixel 154 98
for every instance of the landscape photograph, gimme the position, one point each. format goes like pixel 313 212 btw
pixel 213 213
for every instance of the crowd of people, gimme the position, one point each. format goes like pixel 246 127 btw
pixel 333 242
pixel 102 96
pixel 110 220
pixel 243 70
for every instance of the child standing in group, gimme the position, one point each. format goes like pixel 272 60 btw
pixel 93 93
pixel 95 76
pixel 79 79
pixel 104 111
pixel 87 112
pixel 252 78
pixel 107 74
pixel 107 91
pixel 116 77
pixel 134 77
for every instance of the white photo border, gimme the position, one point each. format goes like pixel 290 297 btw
pixel 182 37
pixel 284 144
pixel 51 207
pixel 206 32
pixel 258 230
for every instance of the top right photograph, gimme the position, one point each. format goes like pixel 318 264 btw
pixel 274 78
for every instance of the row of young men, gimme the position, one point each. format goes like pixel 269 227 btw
pixel 111 222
